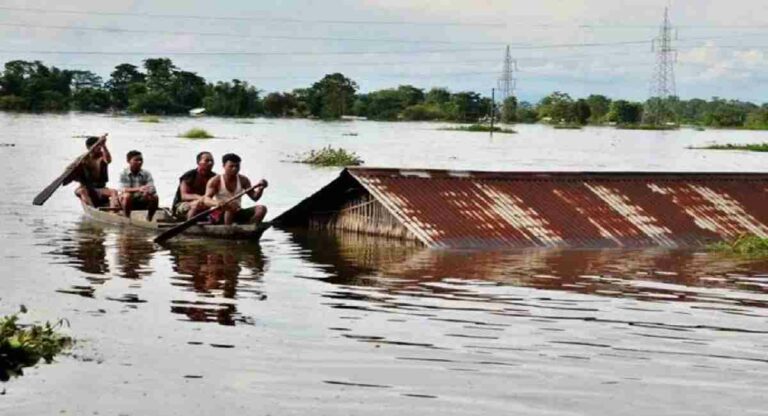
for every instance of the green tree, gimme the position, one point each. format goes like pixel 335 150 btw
pixel 509 110
pixel 625 112
pixel 599 105
pixel 439 96
pixel 410 95
pixel 120 84
pixel 384 105
pixel 187 91
pixel 581 111
pixel 159 74
pixel 526 113
pixel 466 107
pixel 558 107
pixel 236 99
pixel 332 96
pixel 279 105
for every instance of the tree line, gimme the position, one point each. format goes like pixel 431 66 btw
pixel 160 87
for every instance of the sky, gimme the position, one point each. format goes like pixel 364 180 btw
pixel 578 47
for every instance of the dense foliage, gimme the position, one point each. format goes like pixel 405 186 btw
pixel 24 346
pixel 743 246
pixel 328 156
pixel 159 87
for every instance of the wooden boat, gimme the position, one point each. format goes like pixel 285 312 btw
pixel 164 220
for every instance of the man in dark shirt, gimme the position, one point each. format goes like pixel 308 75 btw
pixel 93 176
pixel 189 195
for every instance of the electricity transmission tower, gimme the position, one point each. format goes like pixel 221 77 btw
pixel 663 82
pixel 507 81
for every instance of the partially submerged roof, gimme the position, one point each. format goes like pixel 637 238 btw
pixel 463 209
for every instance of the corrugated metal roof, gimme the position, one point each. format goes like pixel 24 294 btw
pixel 459 209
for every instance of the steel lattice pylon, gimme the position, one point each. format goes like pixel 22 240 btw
pixel 663 83
pixel 507 81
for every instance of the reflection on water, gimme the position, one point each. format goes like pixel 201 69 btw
pixel 650 274
pixel 217 271
pixel 83 248
pixel 134 252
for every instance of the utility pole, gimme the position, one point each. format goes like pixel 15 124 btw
pixel 507 81
pixel 493 108
pixel 663 82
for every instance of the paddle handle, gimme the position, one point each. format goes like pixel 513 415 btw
pixel 64 177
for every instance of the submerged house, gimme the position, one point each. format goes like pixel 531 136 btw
pixel 497 210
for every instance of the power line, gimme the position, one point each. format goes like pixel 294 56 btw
pixel 234 35
pixel 271 19
pixel 367 52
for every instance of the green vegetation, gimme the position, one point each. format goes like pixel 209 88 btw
pixel 480 128
pixel 159 87
pixel 645 127
pixel 567 126
pixel 745 246
pixel 760 147
pixel 328 156
pixel 196 133
pixel 24 346
pixel 149 119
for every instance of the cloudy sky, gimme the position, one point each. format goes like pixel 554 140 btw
pixel 579 47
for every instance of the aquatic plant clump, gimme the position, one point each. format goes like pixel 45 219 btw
pixel 759 147
pixel 746 245
pixel 25 345
pixel 647 127
pixel 480 128
pixel 149 119
pixel 196 133
pixel 328 156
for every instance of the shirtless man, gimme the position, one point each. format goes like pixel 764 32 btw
pixel 224 186
pixel 93 176
pixel 188 201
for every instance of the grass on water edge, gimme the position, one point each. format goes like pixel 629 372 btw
pixel 25 345
pixel 196 133
pixel 646 127
pixel 745 246
pixel 149 119
pixel 567 126
pixel 480 128
pixel 328 156
pixel 758 147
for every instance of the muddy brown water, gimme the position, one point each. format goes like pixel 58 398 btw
pixel 303 323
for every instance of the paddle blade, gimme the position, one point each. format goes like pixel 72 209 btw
pixel 46 193
pixel 68 171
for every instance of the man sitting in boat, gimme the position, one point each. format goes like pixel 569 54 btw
pixel 188 201
pixel 137 187
pixel 226 185
pixel 93 175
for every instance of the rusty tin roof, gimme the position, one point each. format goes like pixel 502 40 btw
pixel 467 209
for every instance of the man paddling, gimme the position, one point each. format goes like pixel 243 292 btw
pixel 93 175
pixel 188 201
pixel 137 187
pixel 222 187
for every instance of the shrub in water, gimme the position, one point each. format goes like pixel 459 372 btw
pixel 746 245
pixel 328 156
pixel 23 346
pixel 197 133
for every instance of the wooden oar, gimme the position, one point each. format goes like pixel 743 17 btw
pixel 173 232
pixel 50 189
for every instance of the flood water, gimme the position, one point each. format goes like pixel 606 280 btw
pixel 343 324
